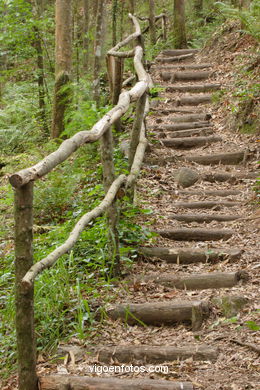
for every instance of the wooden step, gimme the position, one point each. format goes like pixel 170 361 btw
pixel 232 158
pixel 190 142
pixel 201 218
pixel 178 52
pixel 194 88
pixel 161 313
pixel 201 131
pixel 229 177
pixel 191 255
pixel 168 60
pixel 71 382
pixel 216 205
pixel 154 354
pixel 204 117
pixel 194 100
pixel 195 234
pixel 185 66
pixel 182 126
pixel 185 76
pixel 220 193
pixel 213 280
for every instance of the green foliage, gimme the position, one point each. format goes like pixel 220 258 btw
pixel 249 17
pixel 20 128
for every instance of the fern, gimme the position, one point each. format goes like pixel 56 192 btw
pixel 249 17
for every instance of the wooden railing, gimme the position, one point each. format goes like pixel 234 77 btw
pixel 23 183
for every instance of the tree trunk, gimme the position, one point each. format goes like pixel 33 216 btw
pixel 179 24
pixel 152 22
pixel 63 56
pixel 132 6
pixel 26 346
pixel 98 51
pixel 85 32
pixel 114 22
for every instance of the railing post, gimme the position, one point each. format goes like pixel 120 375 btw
pixel 112 214
pixel 26 345
pixel 164 27
pixel 115 68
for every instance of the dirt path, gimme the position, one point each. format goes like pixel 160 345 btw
pixel 191 302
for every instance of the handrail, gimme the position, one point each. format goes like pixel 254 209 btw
pixel 24 176
pixel 23 182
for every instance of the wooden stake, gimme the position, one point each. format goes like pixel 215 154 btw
pixel 26 346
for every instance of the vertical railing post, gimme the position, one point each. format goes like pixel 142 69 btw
pixel 26 344
pixel 164 27
pixel 112 213
pixel 115 68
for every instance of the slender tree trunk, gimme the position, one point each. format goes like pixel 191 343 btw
pixel 179 24
pixel 85 32
pixel 152 22
pixel 63 57
pixel 37 9
pixel 122 25
pixel 26 345
pixel 114 22
pixel 132 6
pixel 98 50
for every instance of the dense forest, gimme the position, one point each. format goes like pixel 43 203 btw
pixel 85 105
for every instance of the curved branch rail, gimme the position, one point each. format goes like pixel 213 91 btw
pixel 51 259
pixel 69 146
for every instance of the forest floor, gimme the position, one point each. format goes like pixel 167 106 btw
pixel 229 329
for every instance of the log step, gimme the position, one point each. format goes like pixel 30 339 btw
pixel 194 100
pixel 205 117
pixel 161 313
pixel 190 142
pixel 206 204
pixel 221 193
pixel 201 131
pixel 195 234
pixel 193 88
pixel 71 382
pixel 185 66
pixel 154 354
pixel 229 177
pixel 201 218
pixel 191 255
pixel 178 52
pixel 232 158
pixel 182 126
pixel 168 60
pixel 212 280
pixel 185 76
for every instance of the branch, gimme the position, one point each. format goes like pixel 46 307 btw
pixel 130 38
pixel 51 259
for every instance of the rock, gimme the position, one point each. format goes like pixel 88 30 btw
pixel 186 177
pixel 230 305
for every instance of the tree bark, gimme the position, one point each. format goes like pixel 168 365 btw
pixel 214 280
pixel 192 88
pixel 70 382
pixel 200 218
pixel 215 159
pixel 98 51
pixel 158 313
pixel 85 32
pixel 26 344
pixel 196 234
pixel 190 142
pixel 152 22
pixel 206 204
pixel 179 24
pixel 154 354
pixel 63 63
pixel 189 256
